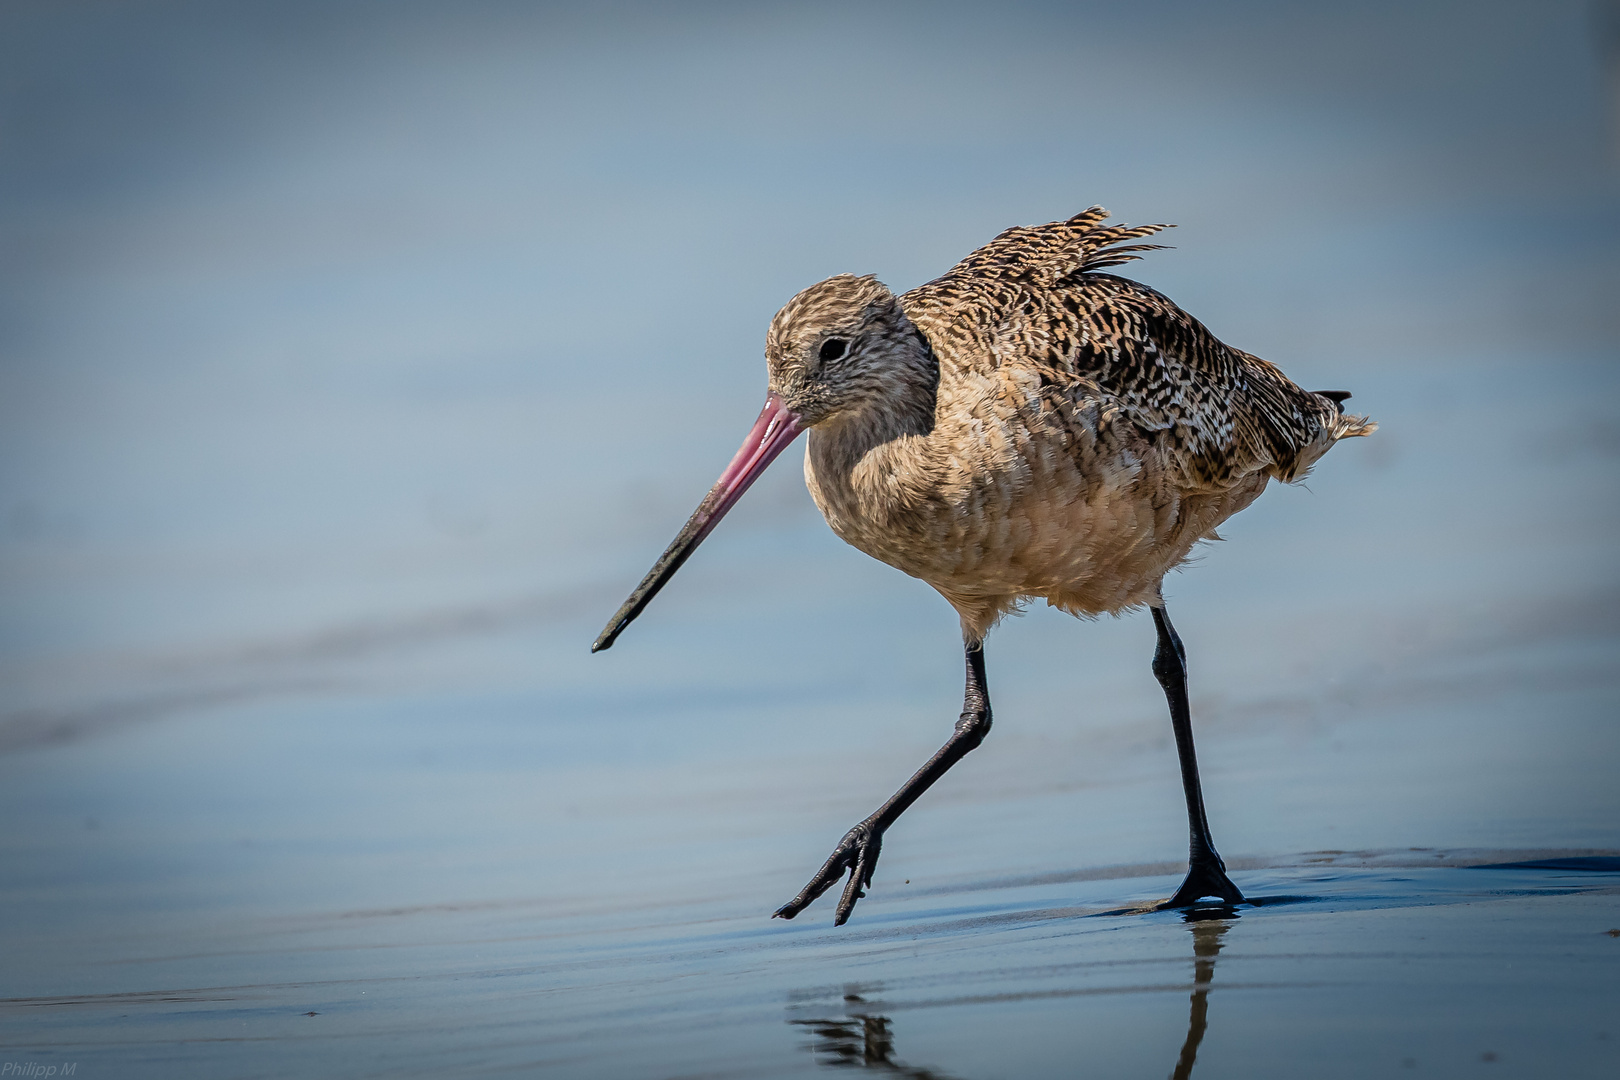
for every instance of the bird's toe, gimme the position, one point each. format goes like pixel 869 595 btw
pixel 856 854
pixel 1205 878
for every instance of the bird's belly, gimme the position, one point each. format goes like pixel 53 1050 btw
pixel 1088 533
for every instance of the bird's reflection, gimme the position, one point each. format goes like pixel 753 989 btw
pixel 865 1040
pixel 1208 925
pixel 862 1041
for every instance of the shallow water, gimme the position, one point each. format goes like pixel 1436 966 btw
pixel 353 368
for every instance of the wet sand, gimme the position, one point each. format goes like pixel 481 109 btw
pixel 353 886
pixel 1351 965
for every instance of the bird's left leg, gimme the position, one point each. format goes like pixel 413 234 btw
pixel 1206 873
pixel 858 851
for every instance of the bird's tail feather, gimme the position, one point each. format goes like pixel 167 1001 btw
pixel 1348 427
pixel 1344 426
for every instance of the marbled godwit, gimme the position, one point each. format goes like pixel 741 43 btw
pixel 1022 427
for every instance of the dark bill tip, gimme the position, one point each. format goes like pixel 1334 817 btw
pixel 775 428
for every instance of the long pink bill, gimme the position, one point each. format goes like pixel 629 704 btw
pixel 775 428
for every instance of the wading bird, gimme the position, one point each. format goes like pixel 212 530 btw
pixel 1022 427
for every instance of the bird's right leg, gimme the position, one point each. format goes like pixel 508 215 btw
pixel 1206 873
pixel 858 851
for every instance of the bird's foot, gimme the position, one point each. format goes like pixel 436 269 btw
pixel 1206 876
pixel 857 853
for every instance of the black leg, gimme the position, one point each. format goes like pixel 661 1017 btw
pixel 1206 873
pixel 858 851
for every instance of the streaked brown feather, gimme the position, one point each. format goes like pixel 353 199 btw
pixel 1218 413
pixel 1025 425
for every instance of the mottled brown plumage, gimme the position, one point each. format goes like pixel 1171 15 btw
pixel 1027 427
pixel 1024 426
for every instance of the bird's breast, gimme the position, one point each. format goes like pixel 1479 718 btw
pixel 994 498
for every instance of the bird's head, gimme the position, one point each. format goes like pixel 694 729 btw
pixel 839 351
pixel 844 346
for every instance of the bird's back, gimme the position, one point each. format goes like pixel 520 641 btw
pixel 1035 297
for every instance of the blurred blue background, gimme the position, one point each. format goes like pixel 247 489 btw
pixel 357 358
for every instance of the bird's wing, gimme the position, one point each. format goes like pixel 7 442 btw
pixel 1033 297
pixel 1046 254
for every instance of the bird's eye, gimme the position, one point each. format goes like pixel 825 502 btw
pixel 832 349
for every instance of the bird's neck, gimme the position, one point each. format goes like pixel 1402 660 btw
pixel 866 464
pixel 901 405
